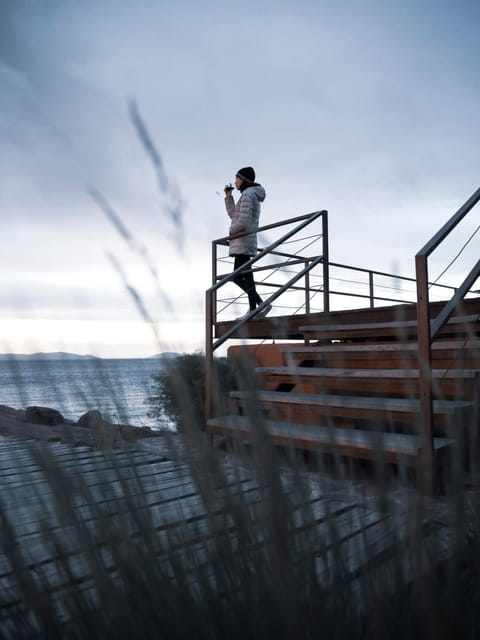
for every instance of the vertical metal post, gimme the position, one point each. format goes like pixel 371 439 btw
pixel 307 289
pixel 425 367
pixel 214 280
pixel 208 356
pixel 210 319
pixel 372 292
pixel 307 299
pixel 326 258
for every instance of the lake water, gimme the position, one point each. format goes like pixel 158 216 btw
pixel 118 388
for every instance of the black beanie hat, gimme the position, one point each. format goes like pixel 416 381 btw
pixel 247 174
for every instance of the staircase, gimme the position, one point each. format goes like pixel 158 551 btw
pixel 397 383
pixel 352 387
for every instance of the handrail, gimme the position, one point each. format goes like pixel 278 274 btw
pixel 427 331
pixel 306 221
pixel 449 225
pixel 210 295
pixel 274 225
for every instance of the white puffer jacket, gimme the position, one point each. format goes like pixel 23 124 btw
pixel 245 216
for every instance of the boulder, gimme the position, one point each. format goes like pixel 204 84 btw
pixel 43 415
pixel 10 410
pixel 109 434
pixel 92 419
pixel 105 432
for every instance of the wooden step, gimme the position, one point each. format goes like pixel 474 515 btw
pixel 456 325
pixel 457 383
pixel 463 354
pixel 390 447
pixel 288 406
pixel 287 327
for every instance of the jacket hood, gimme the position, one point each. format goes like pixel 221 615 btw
pixel 257 190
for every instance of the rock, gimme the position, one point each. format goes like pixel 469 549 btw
pixel 93 419
pixel 43 415
pixel 105 432
pixel 10 411
pixel 109 434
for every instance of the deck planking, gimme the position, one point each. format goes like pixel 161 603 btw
pixel 138 489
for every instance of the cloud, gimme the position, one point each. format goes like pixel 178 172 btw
pixel 367 110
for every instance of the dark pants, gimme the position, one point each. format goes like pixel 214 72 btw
pixel 245 281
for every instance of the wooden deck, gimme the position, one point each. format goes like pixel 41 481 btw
pixel 53 495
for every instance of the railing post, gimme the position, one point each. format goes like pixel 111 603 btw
pixel 326 259
pixel 208 356
pixel 307 289
pixel 214 280
pixel 425 368
pixel 307 298
pixel 210 319
pixel 371 289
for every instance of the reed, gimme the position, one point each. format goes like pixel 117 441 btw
pixel 93 545
pixel 253 544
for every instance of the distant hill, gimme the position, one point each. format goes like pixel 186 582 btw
pixel 63 355
pixel 56 355
pixel 166 355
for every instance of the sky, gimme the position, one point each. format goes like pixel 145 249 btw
pixel 369 110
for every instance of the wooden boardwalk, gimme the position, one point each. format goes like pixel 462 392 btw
pixel 53 495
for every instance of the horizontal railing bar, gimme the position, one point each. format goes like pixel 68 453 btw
pixel 273 266
pixel 231 301
pixel 320 290
pixel 367 297
pixel 378 273
pixel 387 275
pixel 333 292
pixel 273 253
pixel 274 285
pixel 347 267
pixel 288 255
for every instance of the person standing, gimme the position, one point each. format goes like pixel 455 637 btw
pixel 245 215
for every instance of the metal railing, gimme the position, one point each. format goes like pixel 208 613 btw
pixel 284 259
pixel 301 222
pixel 373 286
pixel 345 282
pixel 428 330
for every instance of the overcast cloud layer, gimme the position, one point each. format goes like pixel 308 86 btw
pixel 369 110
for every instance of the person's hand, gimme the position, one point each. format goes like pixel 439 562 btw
pixel 228 190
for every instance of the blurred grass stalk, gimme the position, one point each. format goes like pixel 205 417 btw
pixel 93 546
pixel 96 548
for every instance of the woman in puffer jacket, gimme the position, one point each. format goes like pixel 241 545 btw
pixel 245 215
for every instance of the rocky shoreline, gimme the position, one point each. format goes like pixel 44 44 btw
pixel 45 423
